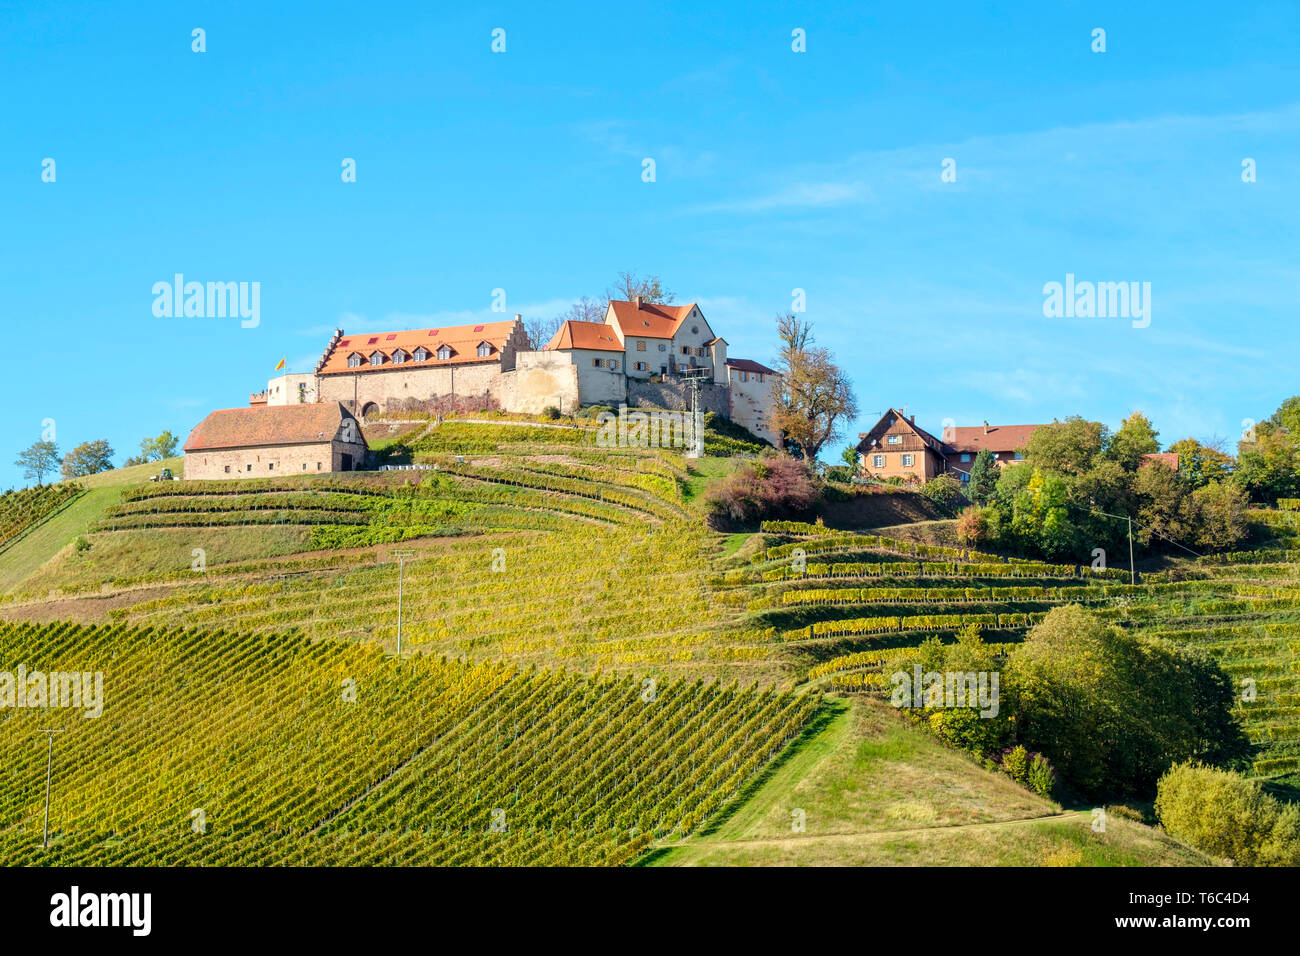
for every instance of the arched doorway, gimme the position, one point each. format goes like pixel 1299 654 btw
pixel 368 409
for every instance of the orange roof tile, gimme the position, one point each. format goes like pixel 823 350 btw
pixel 463 340
pixel 649 321
pixel 304 424
pixel 575 334
pixel 997 438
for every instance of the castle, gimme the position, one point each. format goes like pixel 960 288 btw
pixel 642 354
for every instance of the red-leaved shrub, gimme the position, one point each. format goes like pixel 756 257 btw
pixel 771 488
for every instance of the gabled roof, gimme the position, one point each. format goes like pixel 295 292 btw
pixel 575 334
pixel 923 437
pixel 302 424
pixel 994 438
pixel 648 320
pixel 463 340
pixel 745 365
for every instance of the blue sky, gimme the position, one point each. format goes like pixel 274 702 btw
pixel 775 170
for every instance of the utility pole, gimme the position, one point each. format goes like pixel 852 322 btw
pixel 401 573
pixel 1132 569
pixel 49 768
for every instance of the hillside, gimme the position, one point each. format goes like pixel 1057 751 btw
pixel 538 565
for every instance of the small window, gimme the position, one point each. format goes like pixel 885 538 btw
pixel 760 378
pixel 484 350
pixel 444 352
pixel 227 469
pixel 318 466
pixel 270 466
pixel 695 330
pixel 640 345
pixel 686 350
pixel 744 376
pixel 662 347
pixel 399 357
pixel 877 461
pixel 965 457
pixel 613 363
pixel 376 358
pixel 248 468
pixel 354 360
pixel 596 363
pixel 893 439
pixel 304 466
pixel 907 461
pixel 642 367
pixel 421 354
pixel 700 352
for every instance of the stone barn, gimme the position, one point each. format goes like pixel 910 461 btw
pixel 263 441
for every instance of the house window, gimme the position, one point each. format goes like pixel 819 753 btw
pixel 642 367
pixel 640 345
pixel 399 357
pixel 318 466
pixel 907 461
pixel 270 466
pixel 700 352
pixel 354 360
pixel 248 467
pixel 686 350
pixel 695 330
pixel 596 363
pixel 760 378
pixel 965 457
pixel 376 358
pixel 744 376
pixel 421 354
pixel 444 352
pixel 893 439
pixel 613 363
pixel 484 350
pixel 662 347
pixel 304 466
pixel 877 461
pixel 227 469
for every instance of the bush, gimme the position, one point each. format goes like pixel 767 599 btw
pixel 775 487
pixel 1041 777
pixel 1223 814
pixel 551 413
pixel 973 526
pixel 944 491
pixel 1015 763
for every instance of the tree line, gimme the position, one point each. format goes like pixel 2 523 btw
pixel 89 458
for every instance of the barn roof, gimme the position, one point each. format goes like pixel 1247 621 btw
pixel 258 425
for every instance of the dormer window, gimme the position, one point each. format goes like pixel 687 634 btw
pixel 444 352
pixel 421 354
pixel 893 439
pixel 354 360
pixel 376 358
pixel 484 350
pixel 399 357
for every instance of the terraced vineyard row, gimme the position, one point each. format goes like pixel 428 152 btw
pixel 22 509
pixel 239 748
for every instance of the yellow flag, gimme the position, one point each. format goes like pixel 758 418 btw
pixel 281 365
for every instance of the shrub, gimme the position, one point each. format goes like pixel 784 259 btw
pixel 1015 763
pixel 550 412
pixel 973 526
pixel 775 487
pixel 944 491
pixel 1041 777
pixel 1223 814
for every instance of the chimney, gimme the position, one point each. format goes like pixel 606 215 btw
pixel 913 419
pixel 638 301
pixel 986 427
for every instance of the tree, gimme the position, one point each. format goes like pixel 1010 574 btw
pixel 1268 457
pixel 38 460
pixel 1221 510
pixel 1066 448
pixel 629 286
pixel 984 475
pixel 1134 440
pixel 1165 507
pixel 850 457
pixel 944 491
pixel 159 447
pixel 540 331
pixel 815 394
pixel 1201 464
pixel 1226 815
pixel 89 458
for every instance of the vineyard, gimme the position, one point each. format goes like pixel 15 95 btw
pixel 221 747
pixel 21 510
pixel 1242 609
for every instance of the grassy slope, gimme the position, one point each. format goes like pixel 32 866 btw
pixel 876 791
pixel 49 538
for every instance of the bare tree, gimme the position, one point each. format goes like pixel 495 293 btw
pixel 629 286
pixel 816 397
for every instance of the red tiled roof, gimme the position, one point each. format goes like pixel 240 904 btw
pixel 463 339
pixel 650 321
pixel 575 334
pixel 999 438
pixel 304 424
pixel 745 365
pixel 1170 458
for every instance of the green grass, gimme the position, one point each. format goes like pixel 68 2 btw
pixel 876 791
pixel 134 474
pixel 47 539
